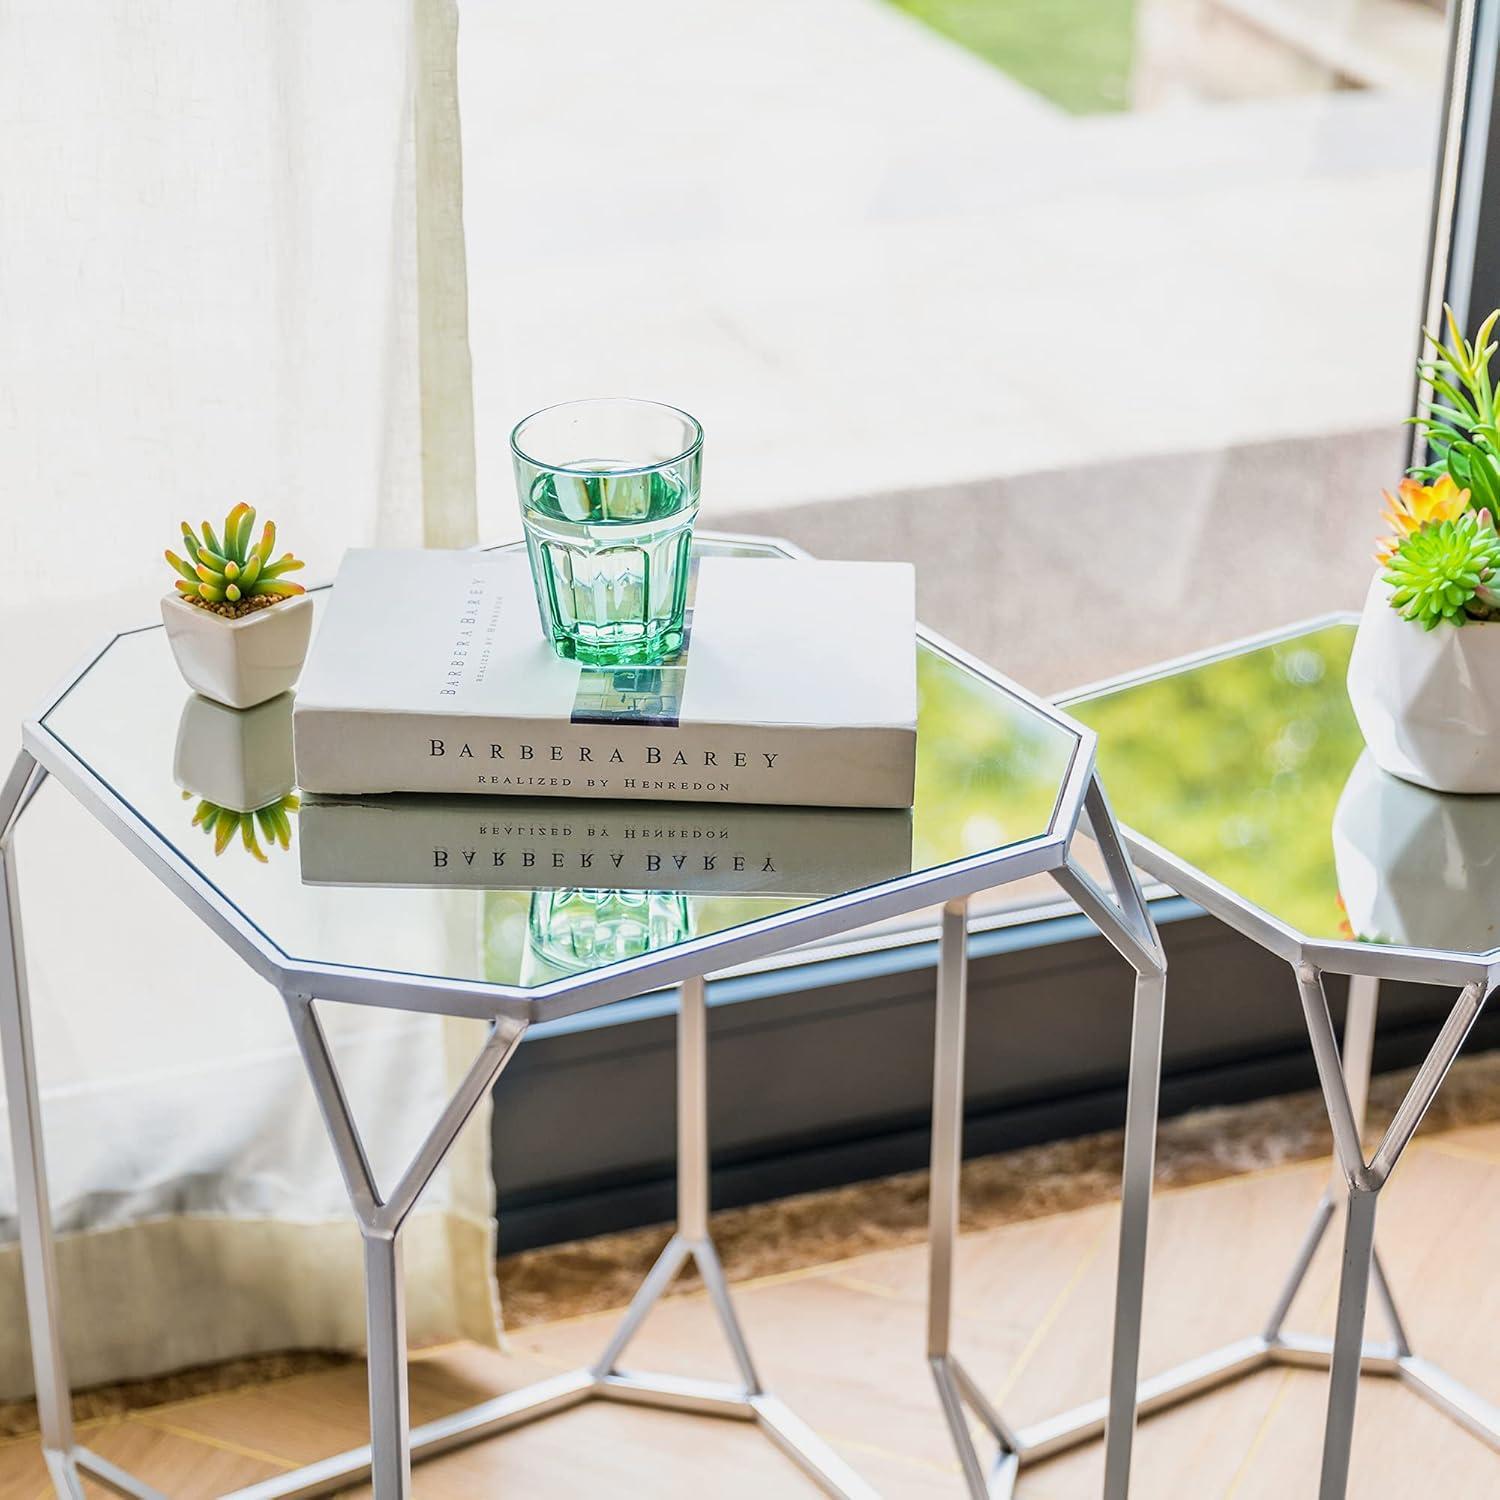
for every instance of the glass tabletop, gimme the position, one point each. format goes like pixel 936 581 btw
pixel 1250 768
pixel 522 892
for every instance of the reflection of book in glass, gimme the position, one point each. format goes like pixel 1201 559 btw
pixel 478 843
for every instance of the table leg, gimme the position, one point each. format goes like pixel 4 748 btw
pixel 956 1390
pixel 1348 1342
pixel 380 1220
pixel 691 1242
pixel 1357 1055
pixel 693 1170
pixel 1360 1016
pixel 1135 1209
pixel 1362 1181
pixel 1122 917
pixel 1124 920
pixel 390 1409
pixel 33 1205
pixel 947 1124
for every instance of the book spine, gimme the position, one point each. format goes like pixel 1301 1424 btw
pixel 340 752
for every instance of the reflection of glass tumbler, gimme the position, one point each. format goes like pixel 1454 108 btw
pixel 575 930
pixel 609 494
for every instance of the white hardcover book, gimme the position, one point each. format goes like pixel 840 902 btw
pixel 477 843
pixel 797 686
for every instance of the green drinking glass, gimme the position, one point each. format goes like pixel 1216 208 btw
pixel 609 494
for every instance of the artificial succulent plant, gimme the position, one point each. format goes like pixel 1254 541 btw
pixel 1447 571
pixel 234 575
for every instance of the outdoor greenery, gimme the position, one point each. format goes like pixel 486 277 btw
pixel 1077 53
pixel 1237 768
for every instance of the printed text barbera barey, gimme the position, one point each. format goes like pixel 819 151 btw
pixel 654 755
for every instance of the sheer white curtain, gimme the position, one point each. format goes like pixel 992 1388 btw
pixel 231 267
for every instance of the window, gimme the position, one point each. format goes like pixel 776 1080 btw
pixel 1102 313
pixel 1096 311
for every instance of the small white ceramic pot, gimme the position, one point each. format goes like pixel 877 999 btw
pixel 1428 701
pixel 239 759
pixel 239 662
pixel 1416 867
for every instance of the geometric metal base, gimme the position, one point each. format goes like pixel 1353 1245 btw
pixel 1235 1361
pixel 1345 1084
pixel 560 1393
pixel 387 1460
pixel 1275 1347
pixel 1345 1089
pixel 1021 1447
pixel 744 1400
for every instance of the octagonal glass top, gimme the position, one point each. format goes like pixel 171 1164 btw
pixel 525 892
pixel 1249 767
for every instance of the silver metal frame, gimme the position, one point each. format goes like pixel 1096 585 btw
pixel 1344 1080
pixel 303 983
pixel 1124 919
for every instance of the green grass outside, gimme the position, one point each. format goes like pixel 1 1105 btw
pixel 1077 53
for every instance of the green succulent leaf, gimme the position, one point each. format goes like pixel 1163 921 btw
pixel 1474 469
pixel 1462 427
pixel 1437 571
pixel 237 568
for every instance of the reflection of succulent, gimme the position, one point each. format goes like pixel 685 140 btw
pixel 1462 425
pixel 273 821
pixel 234 576
pixel 1442 571
pixel 1415 504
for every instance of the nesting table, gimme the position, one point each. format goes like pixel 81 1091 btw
pixel 1006 790
pixel 1244 784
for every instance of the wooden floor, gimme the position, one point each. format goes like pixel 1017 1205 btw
pixel 842 1344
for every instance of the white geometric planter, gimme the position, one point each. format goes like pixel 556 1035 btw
pixel 237 758
pixel 1428 701
pixel 239 662
pixel 1417 867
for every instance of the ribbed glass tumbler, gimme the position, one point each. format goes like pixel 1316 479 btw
pixel 609 494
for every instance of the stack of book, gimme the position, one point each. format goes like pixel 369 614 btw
pixel 796 687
